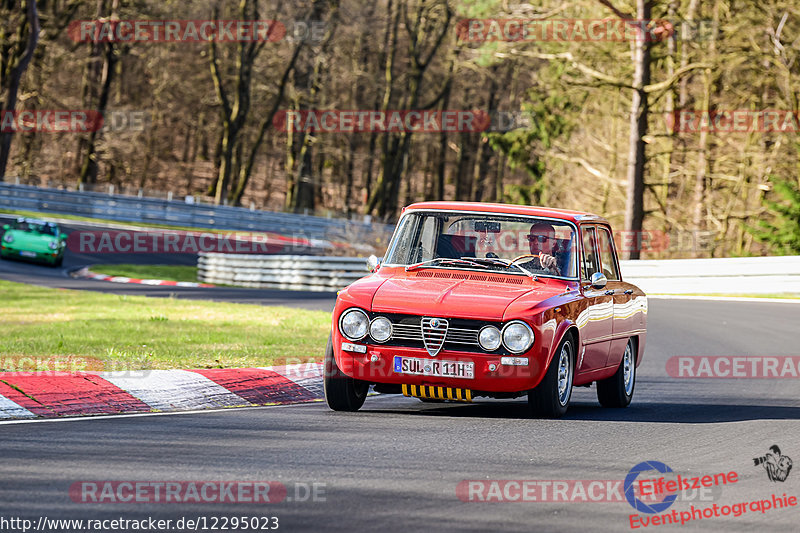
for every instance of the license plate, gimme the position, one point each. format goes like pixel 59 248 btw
pixel 434 367
pixel 26 253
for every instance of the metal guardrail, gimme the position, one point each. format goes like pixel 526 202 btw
pixel 290 272
pixel 179 213
pixel 750 275
pixel 733 275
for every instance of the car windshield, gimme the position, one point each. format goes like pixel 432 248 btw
pixel 35 227
pixel 485 241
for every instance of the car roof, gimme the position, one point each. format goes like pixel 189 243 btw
pixel 550 212
pixel 36 221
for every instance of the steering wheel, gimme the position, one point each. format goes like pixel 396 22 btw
pixel 522 257
pixel 492 255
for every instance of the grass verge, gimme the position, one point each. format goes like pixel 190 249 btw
pixel 166 272
pixel 58 329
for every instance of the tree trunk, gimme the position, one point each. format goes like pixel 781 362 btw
pixel 385 197
pixel 634 205
pixel 377 195
pixel 234 114
pixel 308 73
pixel 247 167
pixel 13 82
pixel 484 152
pixel 89 167
pixel 669 109
pixel 701 172
pixel 465 167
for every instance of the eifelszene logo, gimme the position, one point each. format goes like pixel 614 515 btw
pixel 630 484
pixel 651 487
pixel 777 466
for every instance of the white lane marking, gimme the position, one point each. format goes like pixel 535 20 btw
pixel 138 415
pixel 11 409
pixel 176 389
pixel 724 298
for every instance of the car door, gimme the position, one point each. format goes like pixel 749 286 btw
pixel 595 321
pixel 620 294
pixel 630 303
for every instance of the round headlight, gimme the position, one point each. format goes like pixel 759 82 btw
pixel 354 324
pixel 517 337
pixel 53 245
pixel 489 338
pixel 380 329
pixel 8 237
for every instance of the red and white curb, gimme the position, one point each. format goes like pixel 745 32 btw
pixel 57 394
pixel 88 274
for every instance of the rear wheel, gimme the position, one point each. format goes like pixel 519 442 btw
pixel 342 393
pixel 617 391
pixel 550 399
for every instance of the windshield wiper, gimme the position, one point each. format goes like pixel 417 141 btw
pixel 507 264
pixel 445 260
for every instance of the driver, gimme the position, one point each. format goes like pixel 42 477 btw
pixel 542 242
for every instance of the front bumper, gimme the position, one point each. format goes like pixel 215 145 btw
pixel 49 256
pixel 376 365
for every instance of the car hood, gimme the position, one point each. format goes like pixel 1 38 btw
pixel 35 240
pixel 460 298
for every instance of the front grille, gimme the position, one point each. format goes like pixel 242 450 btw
pixel 434 331
pixel 460 334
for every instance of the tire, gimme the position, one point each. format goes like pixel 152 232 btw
pixel 58 262
pixel 617 391
pixel 551 399
pixel 342 393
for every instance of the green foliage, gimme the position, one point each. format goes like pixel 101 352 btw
pixel 783 232
pixel 548 115
pixel 478 8
pixel 522 194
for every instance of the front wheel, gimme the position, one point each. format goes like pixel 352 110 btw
pixel 617 391
pixel 550 399
pixel 342 393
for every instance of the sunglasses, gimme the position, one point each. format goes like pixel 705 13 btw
pixel 540 238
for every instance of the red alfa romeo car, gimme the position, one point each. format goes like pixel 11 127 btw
pixel 490 300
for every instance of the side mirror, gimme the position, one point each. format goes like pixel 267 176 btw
pixel 599 280
pixel 62 236
pixel 373 263
pixel 6 227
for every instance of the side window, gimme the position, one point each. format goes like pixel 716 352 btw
pixel 589 260
pixel 607 255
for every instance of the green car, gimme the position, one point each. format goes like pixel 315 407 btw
pixel 37 240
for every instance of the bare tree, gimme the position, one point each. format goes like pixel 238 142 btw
pixel 14 60
pixel 426 31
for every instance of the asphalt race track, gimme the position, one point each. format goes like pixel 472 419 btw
pixel 396 464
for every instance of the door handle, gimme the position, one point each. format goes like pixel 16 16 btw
pixel 628 291
pixel 608 293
